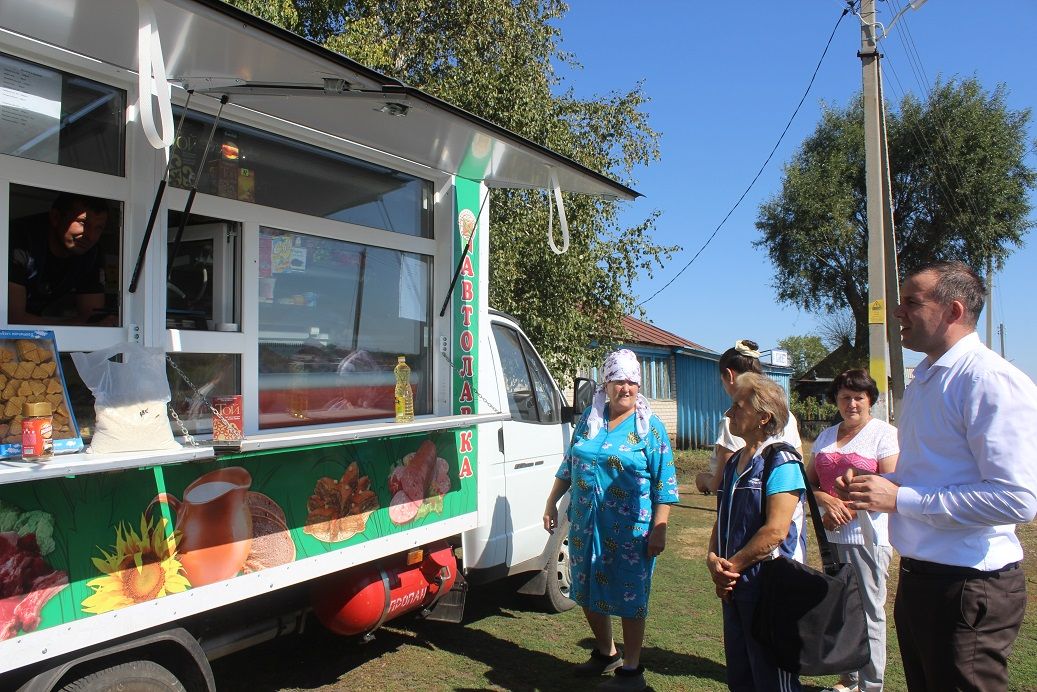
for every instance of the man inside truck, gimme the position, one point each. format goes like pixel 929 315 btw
pixel 56 275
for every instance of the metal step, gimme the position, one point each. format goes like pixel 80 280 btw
pixel 449 607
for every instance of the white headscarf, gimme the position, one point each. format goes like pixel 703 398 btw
pixel 619 365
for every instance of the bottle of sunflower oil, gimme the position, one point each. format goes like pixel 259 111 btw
pixel 404 396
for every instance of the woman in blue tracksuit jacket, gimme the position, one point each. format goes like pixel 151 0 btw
pixel 743 537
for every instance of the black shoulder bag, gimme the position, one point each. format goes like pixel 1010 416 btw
pixel 809 622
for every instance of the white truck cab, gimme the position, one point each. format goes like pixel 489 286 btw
pixel 517 472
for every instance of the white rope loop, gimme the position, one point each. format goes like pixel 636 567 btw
pixel 562 222
pixel 151 79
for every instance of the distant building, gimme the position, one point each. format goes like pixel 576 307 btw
pixel 818 378
pixel 680 379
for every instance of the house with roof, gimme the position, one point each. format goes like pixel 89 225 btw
pixel 680 380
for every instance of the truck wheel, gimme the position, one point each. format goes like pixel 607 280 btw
pixel 559 578
pixel 134 676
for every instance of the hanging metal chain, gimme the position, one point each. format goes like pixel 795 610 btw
pixel 183 428
pixel 188 437
pixel 476 391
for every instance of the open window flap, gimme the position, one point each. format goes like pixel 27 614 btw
pixel 216 49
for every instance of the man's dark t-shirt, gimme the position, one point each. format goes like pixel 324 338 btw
pixel 50 281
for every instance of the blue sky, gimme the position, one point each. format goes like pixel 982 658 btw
pixel 723 79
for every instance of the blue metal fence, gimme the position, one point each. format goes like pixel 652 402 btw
pixel 701 400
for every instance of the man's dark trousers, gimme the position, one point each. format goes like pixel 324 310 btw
pixel 956 626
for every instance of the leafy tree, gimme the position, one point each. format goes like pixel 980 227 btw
pixel 497 58
pixel 804 351
pixel 959 181
pixel 836 328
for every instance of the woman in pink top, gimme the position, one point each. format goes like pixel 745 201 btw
pixel 867 445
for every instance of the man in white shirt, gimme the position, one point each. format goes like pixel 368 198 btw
pixel 967 475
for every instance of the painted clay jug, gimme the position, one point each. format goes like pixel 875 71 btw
pixel 214 525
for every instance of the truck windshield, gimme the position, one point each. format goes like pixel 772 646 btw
pixel 532 395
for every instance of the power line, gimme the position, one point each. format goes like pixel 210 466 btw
pixel 915 60
pixel 762 167
pixel 951 178
pixel 941 180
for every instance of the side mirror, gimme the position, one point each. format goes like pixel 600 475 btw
pixel 583 395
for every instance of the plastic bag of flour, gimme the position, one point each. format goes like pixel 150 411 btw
pixel 130 398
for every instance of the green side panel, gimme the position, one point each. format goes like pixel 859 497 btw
pixel 240 513
pixel 467 301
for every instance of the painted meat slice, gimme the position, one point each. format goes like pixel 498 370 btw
pixel 402 509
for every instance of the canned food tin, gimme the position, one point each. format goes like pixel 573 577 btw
pixel 231 425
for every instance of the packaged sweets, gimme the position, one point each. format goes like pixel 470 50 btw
pixel 30 373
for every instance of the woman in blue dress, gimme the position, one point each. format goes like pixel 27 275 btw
pixel 622 479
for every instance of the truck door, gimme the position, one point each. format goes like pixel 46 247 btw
pixel 534 440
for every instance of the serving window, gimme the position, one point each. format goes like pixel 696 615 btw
pixel 56 117
pixel 202 287
pixel 195 379
pixel 63 258
pixel 333 318
pixel 250 165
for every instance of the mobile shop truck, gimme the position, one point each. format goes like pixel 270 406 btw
pixel 283 223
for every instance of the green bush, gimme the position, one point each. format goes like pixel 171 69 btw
pixel 814 415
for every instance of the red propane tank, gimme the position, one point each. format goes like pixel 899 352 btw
pixel 362 599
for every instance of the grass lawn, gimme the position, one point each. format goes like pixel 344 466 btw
pixel 506 645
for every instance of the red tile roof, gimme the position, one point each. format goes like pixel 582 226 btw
pixel 644 333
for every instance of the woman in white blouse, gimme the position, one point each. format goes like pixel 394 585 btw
pixel 866 445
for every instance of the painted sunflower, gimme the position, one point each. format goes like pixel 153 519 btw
pixel 142 567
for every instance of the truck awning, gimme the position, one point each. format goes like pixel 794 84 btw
pixel 214 48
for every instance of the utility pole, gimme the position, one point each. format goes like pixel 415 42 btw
pixel 990 304
pixel 877 207
pixel 889 238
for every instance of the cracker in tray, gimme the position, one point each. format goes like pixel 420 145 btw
pixel 11 389
pixel 6 355
pixel 44 370
pixel 53 387
pixel 29 350
pixel 9 368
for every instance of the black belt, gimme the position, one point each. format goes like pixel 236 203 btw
pixel 913 566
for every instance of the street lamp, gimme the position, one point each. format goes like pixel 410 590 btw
pixel 913 5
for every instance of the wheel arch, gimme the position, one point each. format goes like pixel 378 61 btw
pixel 175 649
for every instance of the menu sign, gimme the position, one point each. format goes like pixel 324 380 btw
pixel 30 110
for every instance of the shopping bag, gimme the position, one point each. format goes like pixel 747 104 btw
pixel 810 622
